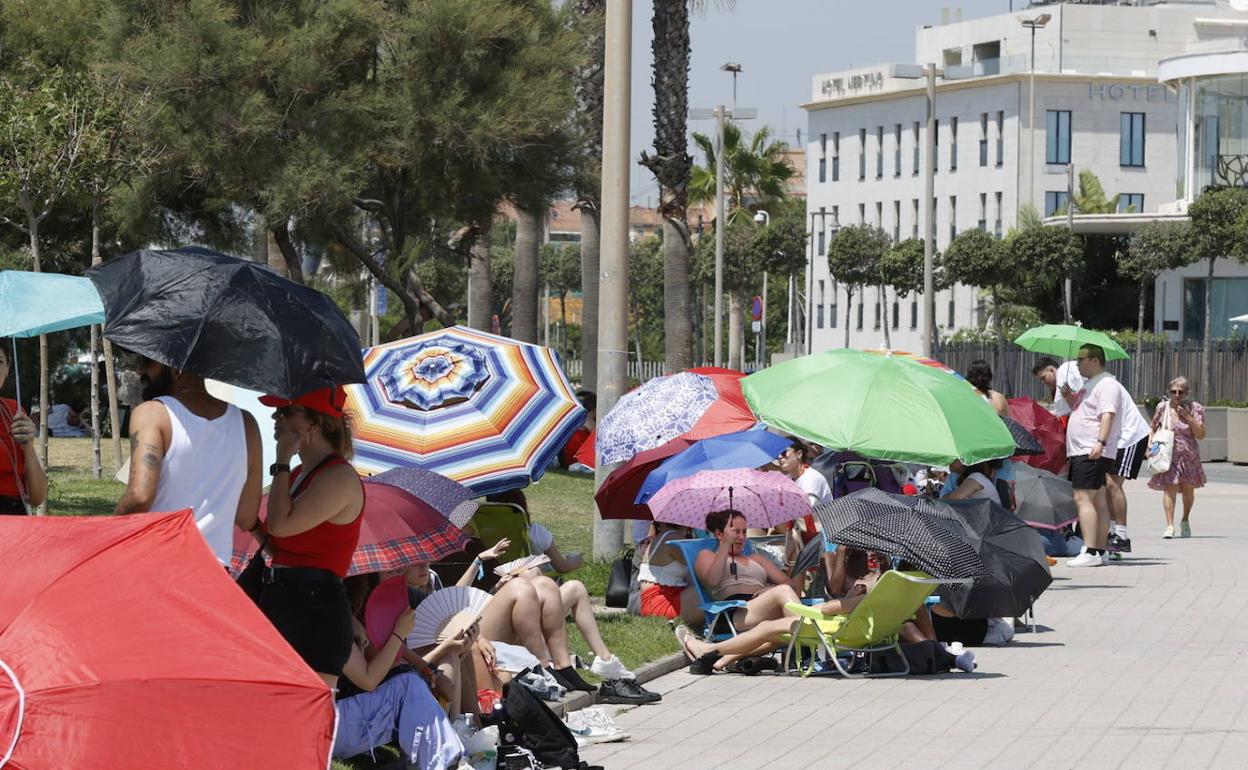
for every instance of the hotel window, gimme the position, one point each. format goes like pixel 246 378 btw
pixel 823 157
pixel 897 150
pixel 1000 139
pixel 862 213
pixel 879 152
pixel 953 217
pixel 996 227
pixel 862 154
pixel 1054 202
pixel 935 145
pixel 1057 137
pixel 823 231
pixel 1131 140
pixel 877 316
pixel 860 315
pixel 914 232
pixel 916 147
pixel 914 314
pixel 983 212
pixel 879 214
pixel 953 144
pixel 1131 202
pixel 836 156
pixel 836 216
pixel 952 314
pixel 896 221
pixel 896 314
pixel 983 139
pixel 832 308
pixel 819 307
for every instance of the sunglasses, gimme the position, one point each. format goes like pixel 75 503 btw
pixel 1177 392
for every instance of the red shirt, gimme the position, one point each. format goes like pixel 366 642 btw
pixel 326 546
pixel 12 458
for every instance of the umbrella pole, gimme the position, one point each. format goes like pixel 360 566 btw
pixel 17 375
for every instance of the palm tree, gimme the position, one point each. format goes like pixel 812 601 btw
pixel 755 176
pixel 587 183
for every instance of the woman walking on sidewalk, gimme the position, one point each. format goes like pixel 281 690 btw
pixel 1187 420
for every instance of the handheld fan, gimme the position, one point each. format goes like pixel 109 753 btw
pixel 445 613
pixel 521 565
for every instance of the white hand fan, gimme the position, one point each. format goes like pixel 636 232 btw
pixel 445 613
pixel 521 565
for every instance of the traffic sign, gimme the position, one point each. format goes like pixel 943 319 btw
pixel 756 309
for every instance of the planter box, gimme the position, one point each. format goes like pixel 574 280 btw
pixel 1237 435
pixel 1213 447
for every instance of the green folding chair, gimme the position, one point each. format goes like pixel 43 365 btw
pixel 873 626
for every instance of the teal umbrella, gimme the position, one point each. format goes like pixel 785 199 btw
pixel 39 303
pixel 880 404
pixel 1065 340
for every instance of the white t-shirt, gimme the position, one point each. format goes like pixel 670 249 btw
pixel 1068 375
pixel 815 486
pixel 540 538
pixel 1134 428
pixel 1099 396
pixel 987 488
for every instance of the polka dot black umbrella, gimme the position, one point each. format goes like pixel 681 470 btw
pixel 903 526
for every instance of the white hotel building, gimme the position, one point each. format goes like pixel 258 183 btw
pixel 1098 106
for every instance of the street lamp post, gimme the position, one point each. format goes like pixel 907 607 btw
pixel 1032 24
pixel 735 69
pixel 760 354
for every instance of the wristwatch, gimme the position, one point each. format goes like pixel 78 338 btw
pixel 277 468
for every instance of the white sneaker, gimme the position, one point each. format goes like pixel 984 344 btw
pixel 965 662
pixel 1168 534
pixel 955 648
pixel 610 669
pixel 1000 632
pixel 1085 559
pixel 592 725
pixel 1104 558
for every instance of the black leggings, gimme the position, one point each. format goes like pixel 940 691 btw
pixel 309 608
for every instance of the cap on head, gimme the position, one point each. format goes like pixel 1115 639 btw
pixel 330 401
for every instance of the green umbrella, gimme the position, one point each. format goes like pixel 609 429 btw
pixel 884 405
pixel 1065 340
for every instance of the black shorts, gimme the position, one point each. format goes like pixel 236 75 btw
pixel 1129 460
pixel 309 608
pixel 1088 474
pixel 12 506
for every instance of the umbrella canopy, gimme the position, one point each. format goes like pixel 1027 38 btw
pixel 228 319
pixel 767 498
pixel 1024 442
pixel 1043 499
pixel 1065 340
pixel 880 405
pixel 1046 429
pixel 1013 555
pixel 746 449
pixel 488 412
pixel 455 502
pixel 902 526
pixel 685 404
pixel 40 303
pixel 617 496
pixel 124 644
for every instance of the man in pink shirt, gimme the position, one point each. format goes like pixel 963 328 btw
pixel 1091 446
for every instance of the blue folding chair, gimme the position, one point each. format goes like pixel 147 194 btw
pixel 689 549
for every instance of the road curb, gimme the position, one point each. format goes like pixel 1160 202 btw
pixel 646 673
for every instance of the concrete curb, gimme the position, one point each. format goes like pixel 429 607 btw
pixel 646 673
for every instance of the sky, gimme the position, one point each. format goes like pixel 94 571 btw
pixel 781 45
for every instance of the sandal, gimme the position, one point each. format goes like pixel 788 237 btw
pixel 682 636
pixel 704 665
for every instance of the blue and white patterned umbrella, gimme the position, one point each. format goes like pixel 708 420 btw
pixel 653 414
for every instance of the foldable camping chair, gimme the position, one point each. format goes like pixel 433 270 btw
pixel 689 550
pixel 872 627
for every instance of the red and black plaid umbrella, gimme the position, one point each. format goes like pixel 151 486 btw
pixel 399 529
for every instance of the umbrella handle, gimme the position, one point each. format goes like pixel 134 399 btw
pixel 21 712
pixel 17 384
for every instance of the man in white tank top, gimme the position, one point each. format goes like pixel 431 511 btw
pixel 189 449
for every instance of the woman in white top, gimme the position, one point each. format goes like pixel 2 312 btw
pixel 664 579
pixel 978 481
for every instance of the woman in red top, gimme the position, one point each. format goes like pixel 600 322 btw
pixel 313 524
pixel 22 479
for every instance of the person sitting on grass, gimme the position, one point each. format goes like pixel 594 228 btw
pixel 379 703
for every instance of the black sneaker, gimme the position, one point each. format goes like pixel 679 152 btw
pixel 571 680
pixel 626 691
pixel 1121 544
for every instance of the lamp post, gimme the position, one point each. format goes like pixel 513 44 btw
pixel 735 69
pixel 720 114
pixel 1032 24
pixel 764 219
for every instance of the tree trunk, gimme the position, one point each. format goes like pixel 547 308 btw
pixel 1002 373
pixel 1136 367
pixel 273 254
pixel 849 305
pixel 480 281
pixel 524 285
pixel 280 234
pixel 677 320
pixel 427 302
pixel 411 304
pixel 885 316
pixel 1206 353
pixel 699 325
pixel 590 240
pixel 734 330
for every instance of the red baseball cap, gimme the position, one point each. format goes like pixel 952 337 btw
pixel 330 401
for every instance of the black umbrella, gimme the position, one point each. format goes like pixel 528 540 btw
pixel 903 526
pixel 1012 552
pixel 1043 499
pixel 227 319
pixel 1024 442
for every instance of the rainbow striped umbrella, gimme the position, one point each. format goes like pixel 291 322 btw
pixel 486 411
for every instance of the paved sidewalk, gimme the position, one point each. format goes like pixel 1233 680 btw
pixel 1140 664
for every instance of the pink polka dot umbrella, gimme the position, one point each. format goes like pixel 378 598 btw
pixel 767 498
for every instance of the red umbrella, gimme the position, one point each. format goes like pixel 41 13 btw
pixel 1048 431
pixel 124 644
pixel 399 529
pixel 729 414
pixel 619 489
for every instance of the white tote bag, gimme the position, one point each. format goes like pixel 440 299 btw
pixel 1161 447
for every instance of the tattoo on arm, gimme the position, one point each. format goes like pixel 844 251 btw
pixel 151 457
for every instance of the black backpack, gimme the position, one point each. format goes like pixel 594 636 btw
pixel 531 724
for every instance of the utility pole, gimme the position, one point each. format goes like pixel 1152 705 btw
pixel 613 288
pixel 720 226
pixel 929 208
pixel 1067 293
pixel 1038 22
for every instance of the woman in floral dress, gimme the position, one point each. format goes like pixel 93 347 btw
pixel 1187 420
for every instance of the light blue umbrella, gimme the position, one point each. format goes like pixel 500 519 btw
pixel 746 449
pixel 39 303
